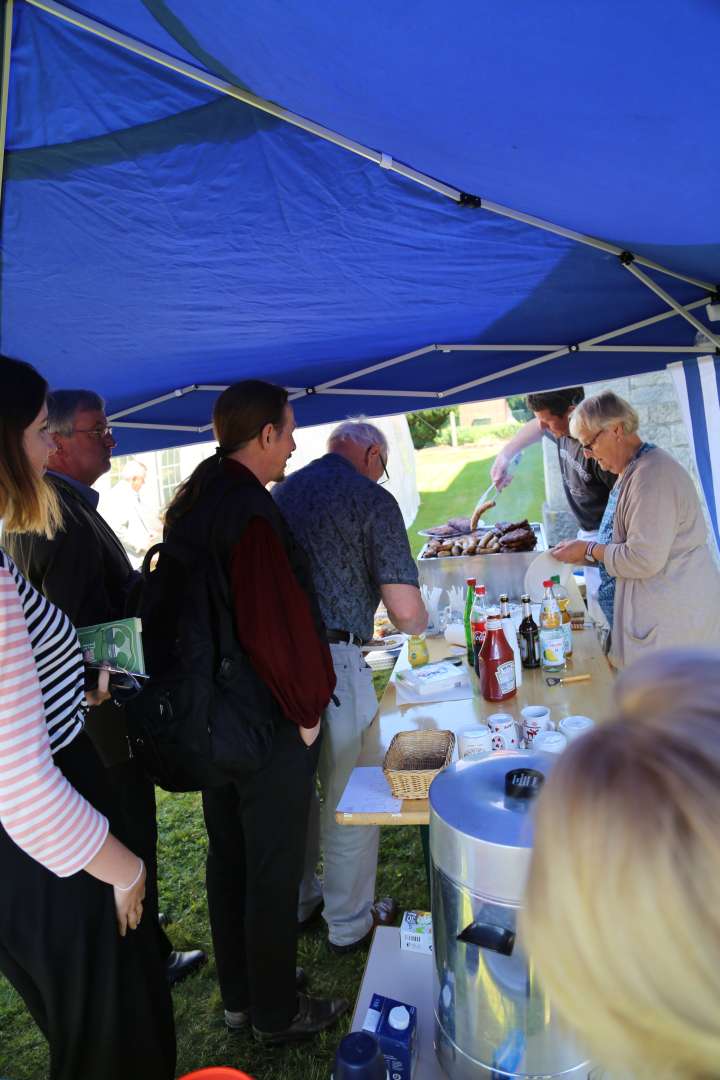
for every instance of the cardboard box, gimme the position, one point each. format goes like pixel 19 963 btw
pixel 416 932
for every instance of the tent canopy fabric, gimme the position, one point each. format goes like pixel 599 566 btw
pixel 160 235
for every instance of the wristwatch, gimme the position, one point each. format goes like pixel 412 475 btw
pixel 589 557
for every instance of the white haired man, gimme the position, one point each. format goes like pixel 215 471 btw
pixel 124 511
pixel 354 535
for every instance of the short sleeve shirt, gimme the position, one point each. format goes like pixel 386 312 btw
pixel 587 486
pixel 354 535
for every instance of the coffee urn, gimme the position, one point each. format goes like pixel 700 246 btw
pixel 492 1018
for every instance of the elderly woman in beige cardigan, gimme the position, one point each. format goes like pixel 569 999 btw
pixel 660 586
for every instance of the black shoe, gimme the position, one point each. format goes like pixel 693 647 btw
pixel 181 964
pixel 306 925
pixel 238 1021
pixel 384 913
pixel 314 1015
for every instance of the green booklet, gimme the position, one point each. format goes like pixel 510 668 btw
pixel 116 645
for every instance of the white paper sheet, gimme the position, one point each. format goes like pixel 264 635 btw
pixel 367 792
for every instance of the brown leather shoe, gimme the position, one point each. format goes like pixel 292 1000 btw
pixel 384 913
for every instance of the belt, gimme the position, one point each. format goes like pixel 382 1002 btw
pixel 336 636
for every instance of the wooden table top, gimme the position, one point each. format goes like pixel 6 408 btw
pixel 593 699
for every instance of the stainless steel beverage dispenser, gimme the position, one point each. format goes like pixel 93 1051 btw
pixel 492 1018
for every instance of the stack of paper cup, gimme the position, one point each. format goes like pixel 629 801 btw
pixel 535 718
pixel 552 742
pixel 475 740
pixel 504 731
pixel 573 727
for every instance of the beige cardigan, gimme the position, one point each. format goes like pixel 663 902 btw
pixel 668 586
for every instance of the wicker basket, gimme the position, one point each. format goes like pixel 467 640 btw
pixel 413 760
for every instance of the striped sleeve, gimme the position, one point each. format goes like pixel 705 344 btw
pixel 39 808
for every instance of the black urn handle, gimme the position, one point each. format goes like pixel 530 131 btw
pixel 486 936
pixel 523 783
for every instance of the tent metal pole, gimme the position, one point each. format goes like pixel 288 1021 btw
pixel 562 352
pixel 4 89
pixel 385 161
pixel 672 302
pixel 321 387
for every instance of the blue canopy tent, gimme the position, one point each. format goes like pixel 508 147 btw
pixel 446 204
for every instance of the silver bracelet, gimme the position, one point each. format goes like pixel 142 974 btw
pixel 133 883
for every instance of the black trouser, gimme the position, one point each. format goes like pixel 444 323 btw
pixel 101 1000
pixel 257 830
pixel 136 795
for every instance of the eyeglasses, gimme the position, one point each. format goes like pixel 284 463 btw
pixel 95 432
pixel 383 462
pixel 587 447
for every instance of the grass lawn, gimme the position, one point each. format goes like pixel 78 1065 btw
pixel 450 482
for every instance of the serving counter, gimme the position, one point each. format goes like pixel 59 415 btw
pixel 362 802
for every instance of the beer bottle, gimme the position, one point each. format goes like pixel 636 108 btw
pixel 504 606
pixel 528 637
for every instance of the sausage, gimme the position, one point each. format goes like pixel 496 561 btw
pixel 479 511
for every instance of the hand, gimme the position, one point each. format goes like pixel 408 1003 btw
pixel 101 692
pixel 129 904
pixel 500 472
pixel 310 734
pixel 570 551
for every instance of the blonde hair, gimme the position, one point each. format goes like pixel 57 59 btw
pixel 623 898
pixel 27 501
pixel 601 411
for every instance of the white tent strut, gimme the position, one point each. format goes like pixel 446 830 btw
pixel 591 345
pixel 384 160
pixel 4 88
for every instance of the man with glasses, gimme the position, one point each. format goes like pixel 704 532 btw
pixel 353 532
pixel 587 486
pixel 84 571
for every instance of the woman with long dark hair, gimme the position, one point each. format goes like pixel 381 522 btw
pixel 257 825
pixel 71 890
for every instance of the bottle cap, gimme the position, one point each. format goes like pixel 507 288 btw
pixel 525 598
pixel 399 1018
pixel 479 590
pixel 471 581
pixel 547 584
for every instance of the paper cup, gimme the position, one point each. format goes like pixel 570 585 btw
pixel 573 727
pixel 504 731
pixel 551 742
pixel 476 740
pixel 535 718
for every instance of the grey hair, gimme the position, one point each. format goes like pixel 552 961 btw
pixel 358 431
pixel 601 411
pixel 63 404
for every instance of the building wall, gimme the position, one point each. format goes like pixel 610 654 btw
pixel 496 411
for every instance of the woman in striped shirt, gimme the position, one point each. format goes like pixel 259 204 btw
pixel 70 888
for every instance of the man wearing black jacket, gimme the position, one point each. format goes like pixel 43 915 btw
pixel 84 571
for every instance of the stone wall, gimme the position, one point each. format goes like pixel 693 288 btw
pixel 653 396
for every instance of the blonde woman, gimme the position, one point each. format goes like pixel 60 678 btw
pixel 70 889
pixel 623 900
pixel 659 584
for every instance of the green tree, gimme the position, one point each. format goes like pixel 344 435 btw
pixel 425 425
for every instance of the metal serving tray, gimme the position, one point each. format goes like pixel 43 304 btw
pixel 500 572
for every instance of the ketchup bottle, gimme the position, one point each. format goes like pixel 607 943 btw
pixel 496 662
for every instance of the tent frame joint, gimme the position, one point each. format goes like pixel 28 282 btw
pixel 626 258
pixel 474 201
pixel 309 390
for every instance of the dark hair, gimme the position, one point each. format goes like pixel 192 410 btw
pixel 27 502
pixel 240 414
pixel 555 401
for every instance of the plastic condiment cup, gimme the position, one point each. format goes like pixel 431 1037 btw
pixel 475 740
pixel 552 742
pixel 573 727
